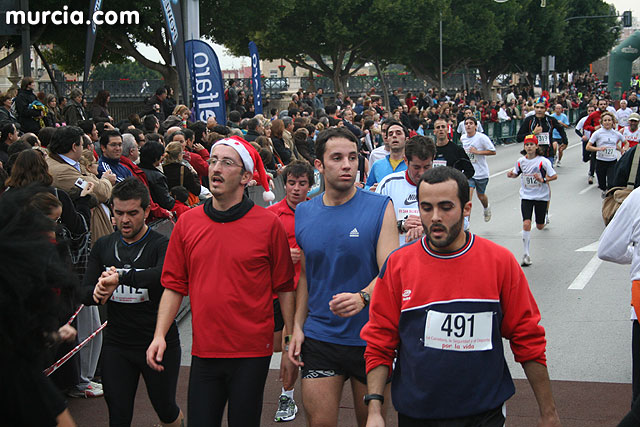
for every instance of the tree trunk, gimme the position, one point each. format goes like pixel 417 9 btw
pixel 487 80
pixel 170 76
pixel 383 83
pixel 338 80
pixel 52 76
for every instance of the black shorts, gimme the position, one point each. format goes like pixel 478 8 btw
pixel 322 359
pixel 527 207
pixel 278 320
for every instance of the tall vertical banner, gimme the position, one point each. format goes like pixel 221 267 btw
pixel 96 5
pixel 256 79
pixel 207 85
pixel 173 19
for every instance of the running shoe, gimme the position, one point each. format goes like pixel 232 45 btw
pixel 287 409
pixel 487 214
pixel 526 261
pixel 546 219
pixel 88 392
pixel 590 180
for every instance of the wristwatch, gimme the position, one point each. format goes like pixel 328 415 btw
pixel 366 297
pixel 401 229
pixel 369 397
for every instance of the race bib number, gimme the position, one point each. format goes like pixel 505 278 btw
pixel 530 181
pixel 543 138
pixel 438 163
pixel 609 153
pixel 459 331
pixel 472 157
pixel 128 295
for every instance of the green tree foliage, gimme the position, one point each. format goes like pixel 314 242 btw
pixel 590 39
pixel 131 70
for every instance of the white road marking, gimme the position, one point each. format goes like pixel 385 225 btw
pixel 589 270
pixel 500 173
pixel 587 189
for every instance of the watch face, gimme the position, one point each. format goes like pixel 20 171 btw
pixel 366 296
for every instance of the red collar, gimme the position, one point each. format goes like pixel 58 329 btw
pixel 406 175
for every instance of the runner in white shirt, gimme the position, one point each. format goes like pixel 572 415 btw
pixel 587 156
pixel 382 151
pixel 535 171
pixel 623 115
pixel 607 143
pixel 461 129
pixel 478 146
pixel 419 153
pixel 631 133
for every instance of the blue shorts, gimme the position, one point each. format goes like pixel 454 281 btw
pixel 479 184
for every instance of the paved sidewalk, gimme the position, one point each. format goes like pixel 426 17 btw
pixel 580 404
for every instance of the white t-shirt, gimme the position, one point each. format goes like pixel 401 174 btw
pixel 530 188
pixel 402 193
pixel 623 116
pixel 463 131
pixel 611 109
pixel 377 154
pixel 480 142
pixel 631 137
pixel 608 139
pixel 580 126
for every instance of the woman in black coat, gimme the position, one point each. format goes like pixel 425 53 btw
pixel 151 155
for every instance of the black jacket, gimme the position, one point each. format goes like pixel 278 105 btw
pixel 26 115
pixel 73 113
pixel 623 169
pixel 158 187
pixel 172 173
pixel 251 135
pixel 6 118
pixel 283 152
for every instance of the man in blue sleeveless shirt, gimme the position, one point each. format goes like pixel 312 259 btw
pixel 345 235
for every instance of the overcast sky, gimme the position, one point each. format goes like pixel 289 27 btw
pixel 228 61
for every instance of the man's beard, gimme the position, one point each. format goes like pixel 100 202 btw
pixel 452 234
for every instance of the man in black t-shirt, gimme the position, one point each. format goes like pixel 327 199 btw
pixel 449 153
pixel 124 270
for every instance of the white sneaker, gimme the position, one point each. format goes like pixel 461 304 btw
pixel 546 219
pixel 557 163
pixel 526 261
pixel 487 214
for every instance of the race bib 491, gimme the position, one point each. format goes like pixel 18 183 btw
pixel 459 331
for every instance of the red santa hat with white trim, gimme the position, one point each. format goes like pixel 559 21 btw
pixel 252 162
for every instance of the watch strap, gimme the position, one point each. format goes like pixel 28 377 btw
pixel 369 397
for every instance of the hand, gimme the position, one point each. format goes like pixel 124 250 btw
pixel 295 255
pixel 359 184
pixel 414 234
pixel 375 419
pixel 87 190
pixel 288 372
pixel 373 187
pixel 551 420
pixel 110 176
pixel 155 352
pixel 252 183
pixel 295 347
pixel 584 138
pixel 346 304
pixel 538 177
pixel 198 147
pixel 108 126
pixel 473 150
pixel 510 174
pixel 537 129
pixel 67 333
pixel 412 221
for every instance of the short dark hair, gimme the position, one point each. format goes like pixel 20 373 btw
pixel 169 138
pixel 395 123
pixel 298 168
pixel 65 138
pixel 235 116
pixel 19 146
pixel 6 130
pixel 331 109
pixel 198 129
pixel 131 188
pixel 326 135
pixel 104 138
pixel 150 153
pixel 473 119
pixel 86 126
pixel 188 133
pixel 443 174
pixel 180 193
pixel 149 123
pixel 45 135
pixel 161 90
pixel 136 133
pixel 293 112
pixel 253 124
pixel 421 147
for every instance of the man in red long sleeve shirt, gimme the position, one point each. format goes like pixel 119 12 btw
pixel 592 123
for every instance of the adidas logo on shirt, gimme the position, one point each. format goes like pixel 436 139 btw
pixel 354 233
